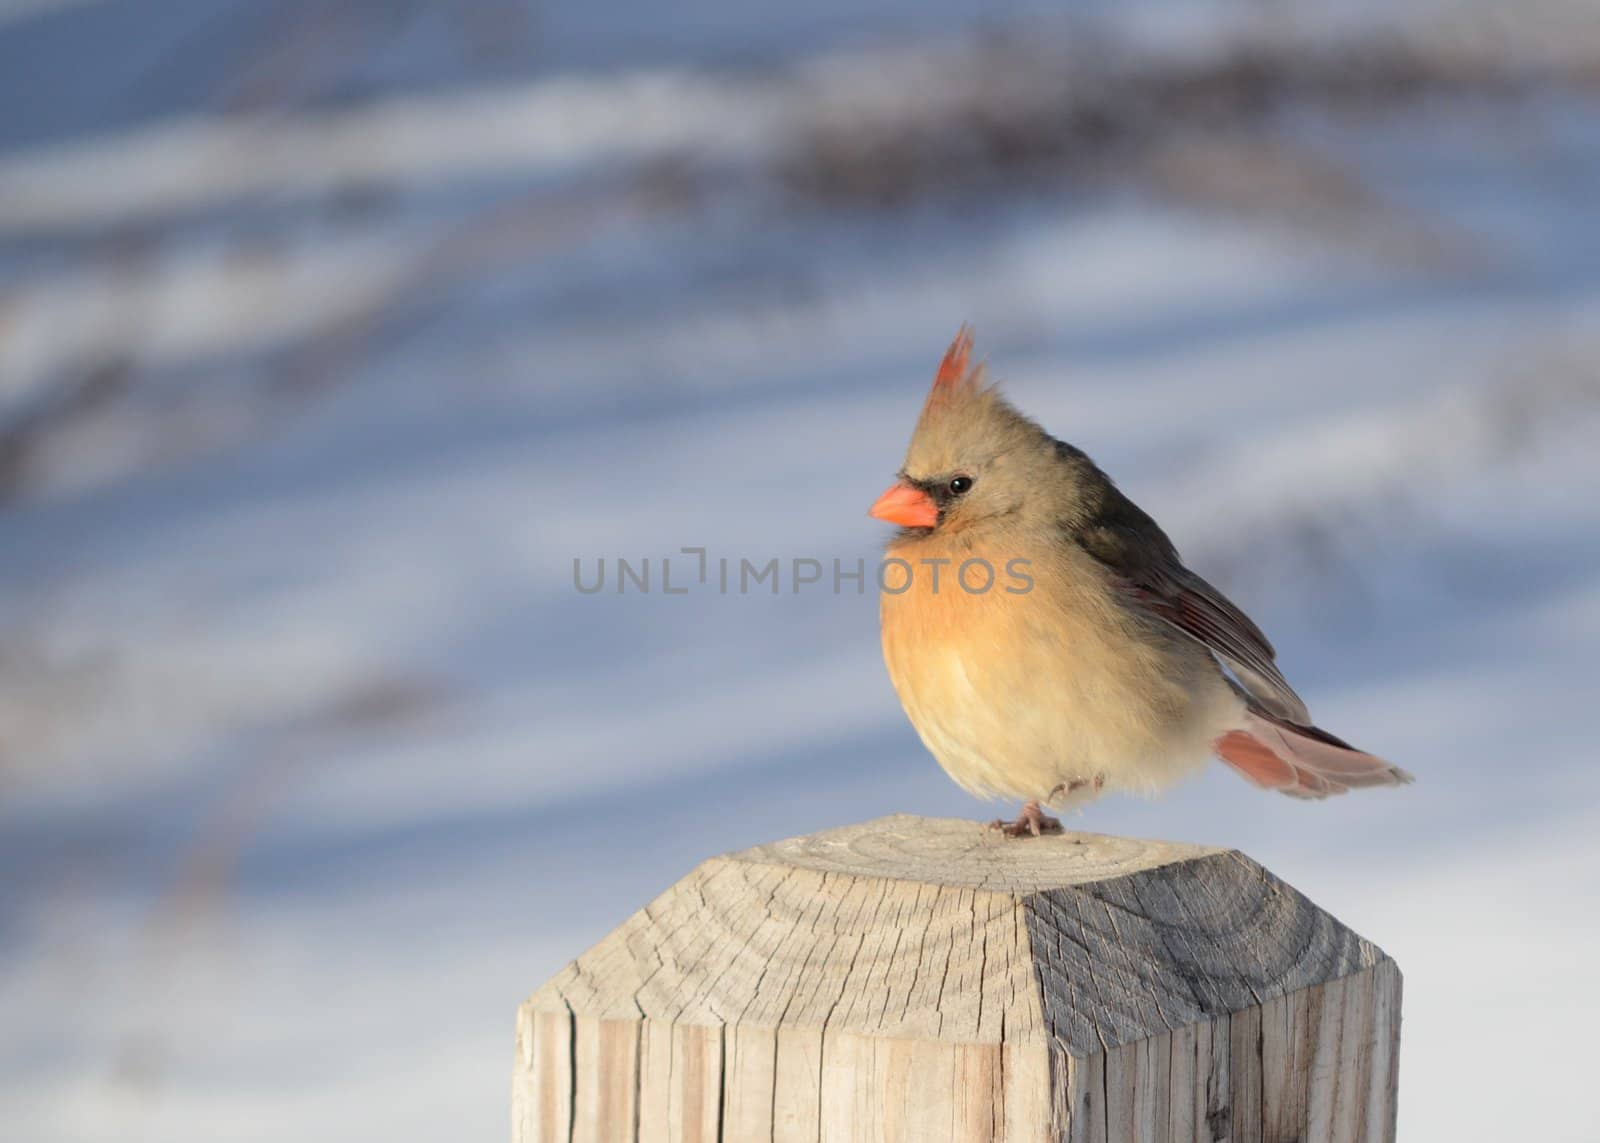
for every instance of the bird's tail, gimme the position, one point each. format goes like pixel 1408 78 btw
pixel 1301 761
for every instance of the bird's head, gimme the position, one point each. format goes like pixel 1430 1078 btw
pixel 973 458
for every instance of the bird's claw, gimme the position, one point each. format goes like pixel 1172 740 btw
pixel 1032 820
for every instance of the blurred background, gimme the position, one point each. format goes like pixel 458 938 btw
pixel 332 334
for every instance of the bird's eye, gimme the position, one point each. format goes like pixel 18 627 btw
pixel 960 484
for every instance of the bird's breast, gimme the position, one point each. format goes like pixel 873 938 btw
pixel 1017 690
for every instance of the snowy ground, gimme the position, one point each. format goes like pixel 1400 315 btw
pixel 312 759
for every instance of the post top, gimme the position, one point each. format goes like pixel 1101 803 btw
pixel 969 855
pixel 922 928
pixel 929 979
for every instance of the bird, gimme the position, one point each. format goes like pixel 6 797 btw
pixel 1048 643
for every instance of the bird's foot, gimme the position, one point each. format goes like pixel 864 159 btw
pixel 1032 820
pixel 1075 785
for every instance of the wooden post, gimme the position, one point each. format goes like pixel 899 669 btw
pixel 924 979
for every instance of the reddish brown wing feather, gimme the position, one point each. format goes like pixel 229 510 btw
pixel 1128 542
pixel 1200 610
pixel 1277 747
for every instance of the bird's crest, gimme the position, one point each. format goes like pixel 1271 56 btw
pixel 957 378
pixel 965 418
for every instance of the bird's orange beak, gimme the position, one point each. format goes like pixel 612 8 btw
pixel 907 506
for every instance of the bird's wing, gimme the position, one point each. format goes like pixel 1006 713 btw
pixel 1128 542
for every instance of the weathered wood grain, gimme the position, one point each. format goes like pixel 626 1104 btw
pixel 915 979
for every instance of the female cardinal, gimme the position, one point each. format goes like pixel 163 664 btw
pixel 1096 660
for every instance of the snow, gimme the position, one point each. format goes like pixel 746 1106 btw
pixel 313 761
